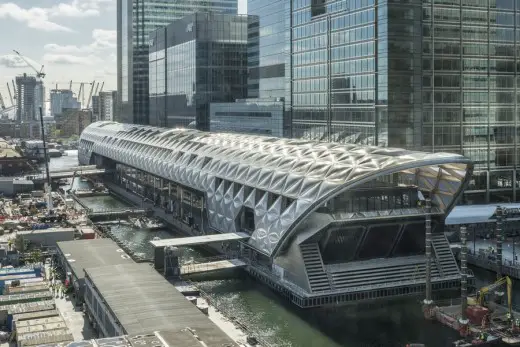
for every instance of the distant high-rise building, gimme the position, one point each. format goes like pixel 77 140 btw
pixel 135 20
pixel 107 105
pixel 30 96
pixel 61 99
pixel 196 60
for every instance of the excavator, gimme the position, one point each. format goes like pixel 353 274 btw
pixel 482 295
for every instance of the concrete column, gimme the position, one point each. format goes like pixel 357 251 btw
pixel 428 302
pixel 499 233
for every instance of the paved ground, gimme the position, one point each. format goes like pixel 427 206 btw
pixel 75 319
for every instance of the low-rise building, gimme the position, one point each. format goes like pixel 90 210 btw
pixel 72 122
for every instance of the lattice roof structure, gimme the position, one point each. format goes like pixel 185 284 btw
pixel 264 173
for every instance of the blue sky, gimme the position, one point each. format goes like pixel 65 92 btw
pixel 74 39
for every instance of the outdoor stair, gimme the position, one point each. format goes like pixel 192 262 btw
pixel 318 278
pixel 444 256
pixel 381 274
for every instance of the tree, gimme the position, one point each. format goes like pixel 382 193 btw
pixel 35 257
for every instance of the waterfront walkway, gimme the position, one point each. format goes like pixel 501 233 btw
pixel 199 240
pixel 192 269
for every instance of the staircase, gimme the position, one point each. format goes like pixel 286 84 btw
pixel 444 256
pixel 318 278
pixel 384 273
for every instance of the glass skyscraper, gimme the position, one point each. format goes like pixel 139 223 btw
pixel 194 61
pixel 269 53
pixel 136 19
pixel 434 75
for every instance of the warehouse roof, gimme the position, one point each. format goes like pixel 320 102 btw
pixel 82 254
pixel 143 301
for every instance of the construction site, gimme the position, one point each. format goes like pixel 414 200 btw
pixel 65 110
pixel 485 317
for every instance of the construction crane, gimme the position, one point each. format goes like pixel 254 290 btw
pixel 14 89
pixel 10 95
pixel 39 74
pixel 481 294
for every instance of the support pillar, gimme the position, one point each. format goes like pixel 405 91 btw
pixel 463 320
pixel 428 302
pixel 499 233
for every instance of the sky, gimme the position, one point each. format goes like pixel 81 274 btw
pixel 74 40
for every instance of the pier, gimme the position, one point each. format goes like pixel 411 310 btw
pixel 66 174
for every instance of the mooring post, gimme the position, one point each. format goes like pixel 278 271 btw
pixel 463 321
pixel 428 254
pixel 499 233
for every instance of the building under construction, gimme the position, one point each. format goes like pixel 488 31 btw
pixel 30 96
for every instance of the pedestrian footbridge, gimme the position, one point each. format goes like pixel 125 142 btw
pixel 200 240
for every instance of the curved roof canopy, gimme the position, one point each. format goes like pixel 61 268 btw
pixel 282 180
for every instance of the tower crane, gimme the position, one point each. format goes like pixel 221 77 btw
pixel 39 74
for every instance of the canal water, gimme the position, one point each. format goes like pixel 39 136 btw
pixel 281 323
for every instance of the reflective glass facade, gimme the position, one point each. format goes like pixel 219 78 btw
pixel 470 102
pixel 269 53
pixel 438 75
pixel 136 20
pixel 333 70
pixel 196 60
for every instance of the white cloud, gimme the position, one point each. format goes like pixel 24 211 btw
pixel 40 18
pixel 12 61
pixel 101 40
pixel 35 18
pixel 69 59
pixel 79 8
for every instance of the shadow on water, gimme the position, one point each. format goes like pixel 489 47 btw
pixel 282 324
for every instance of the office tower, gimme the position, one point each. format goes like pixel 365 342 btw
pixel 269 54
pixel 136 19
pixel 107 105
pixel 431 75
pixel 196 60
pixel 62 98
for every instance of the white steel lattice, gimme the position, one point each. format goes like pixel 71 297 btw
pixel 263 173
